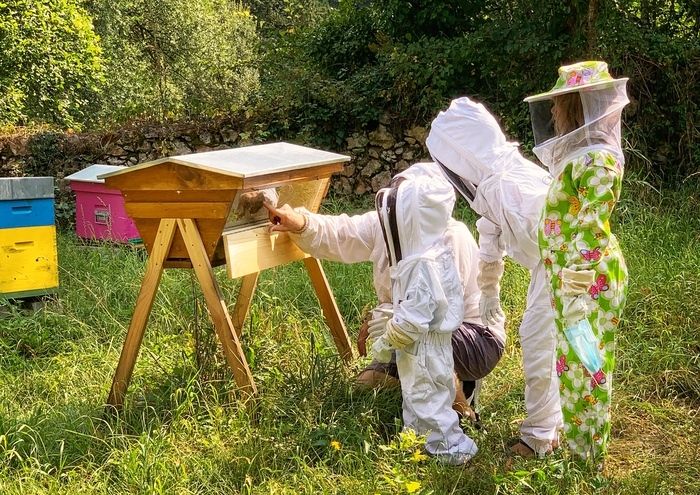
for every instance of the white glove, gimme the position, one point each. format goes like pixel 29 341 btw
pixel 377 325
pixel 381 350
pixel 576 303
pixel 490 309
pixel 489 278
pixel 575 282
pixel 576 308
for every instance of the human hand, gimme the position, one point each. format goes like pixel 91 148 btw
pixel 490 309
pixel 285 218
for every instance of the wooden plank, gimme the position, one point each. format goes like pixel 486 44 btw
pixel 144 303
pixel 217 308
pixel 26 188
pixel 254 250
pixel 330 308
pixel 180 263
pixel 245 296
pixel 280 178
pixel 217 196
pixel 174 177
pixel 209 229
pixel 177 210
pixel 177 263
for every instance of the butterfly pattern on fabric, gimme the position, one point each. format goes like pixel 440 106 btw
pixel 574 205
pixel 598 378
pixel 591 255
pixel 575 233
pixel 601 285
pixel 561 365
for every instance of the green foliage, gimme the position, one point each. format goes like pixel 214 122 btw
pixel 50 62
pixel 409 58
pixel 175 58
pixel 285 15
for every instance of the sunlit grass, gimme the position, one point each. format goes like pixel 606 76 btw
pixel 183 429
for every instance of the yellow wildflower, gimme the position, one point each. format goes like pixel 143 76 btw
pixel 418 456
pixel 336 444
pixel 412 486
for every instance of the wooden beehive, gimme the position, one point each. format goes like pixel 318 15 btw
pixel 203 187
pixel 185 208
pixel 99 211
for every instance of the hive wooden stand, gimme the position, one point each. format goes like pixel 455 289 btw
pixel 180 206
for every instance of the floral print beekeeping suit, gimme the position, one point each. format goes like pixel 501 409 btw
pixel 584 262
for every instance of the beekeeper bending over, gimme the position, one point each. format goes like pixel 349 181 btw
pixel 508 192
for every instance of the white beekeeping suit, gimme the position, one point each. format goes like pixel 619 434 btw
pixel 428 306
pixel 358 238
pixel 508 192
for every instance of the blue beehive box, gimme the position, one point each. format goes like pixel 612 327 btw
pixel 28 254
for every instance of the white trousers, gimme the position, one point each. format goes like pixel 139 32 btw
pixel 426 371
pixel 538 342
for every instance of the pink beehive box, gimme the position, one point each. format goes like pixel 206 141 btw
pixel 99 211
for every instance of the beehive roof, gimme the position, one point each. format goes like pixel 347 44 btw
pixel 249 161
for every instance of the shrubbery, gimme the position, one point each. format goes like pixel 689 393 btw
pixel 318 70
pixel 409 58
pixel 50 62
pixel 175 58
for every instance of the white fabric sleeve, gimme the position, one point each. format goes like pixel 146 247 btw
pixel 491 246
pixel 415 311
pixel 349 239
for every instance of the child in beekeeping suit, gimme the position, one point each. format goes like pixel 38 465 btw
pixel 476 348
pixel 428 306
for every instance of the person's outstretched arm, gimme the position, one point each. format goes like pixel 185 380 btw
pixel 349 239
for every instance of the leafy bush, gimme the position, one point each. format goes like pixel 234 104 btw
pixel 50 62
pixel 175 58
pixel 409 58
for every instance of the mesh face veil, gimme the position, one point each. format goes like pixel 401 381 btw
pixel 602 111
pixel 601 99
pixel 542 121
pixel 465 188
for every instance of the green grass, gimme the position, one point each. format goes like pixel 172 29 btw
pixel 184 431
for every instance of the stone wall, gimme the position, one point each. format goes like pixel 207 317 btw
pixel 376 155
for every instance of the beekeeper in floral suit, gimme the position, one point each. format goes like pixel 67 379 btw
pixel 577 136
pixel 508 192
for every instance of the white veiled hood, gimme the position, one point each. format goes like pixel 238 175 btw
pixel 602 112
pixel 495 179
pixel 414 211
pixel 468 141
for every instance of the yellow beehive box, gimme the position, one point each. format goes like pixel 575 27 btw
pixel 28 261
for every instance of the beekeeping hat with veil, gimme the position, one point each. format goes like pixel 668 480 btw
pixel 602 99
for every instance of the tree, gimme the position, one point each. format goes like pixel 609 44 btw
pixel 50 62
pixel 175 58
